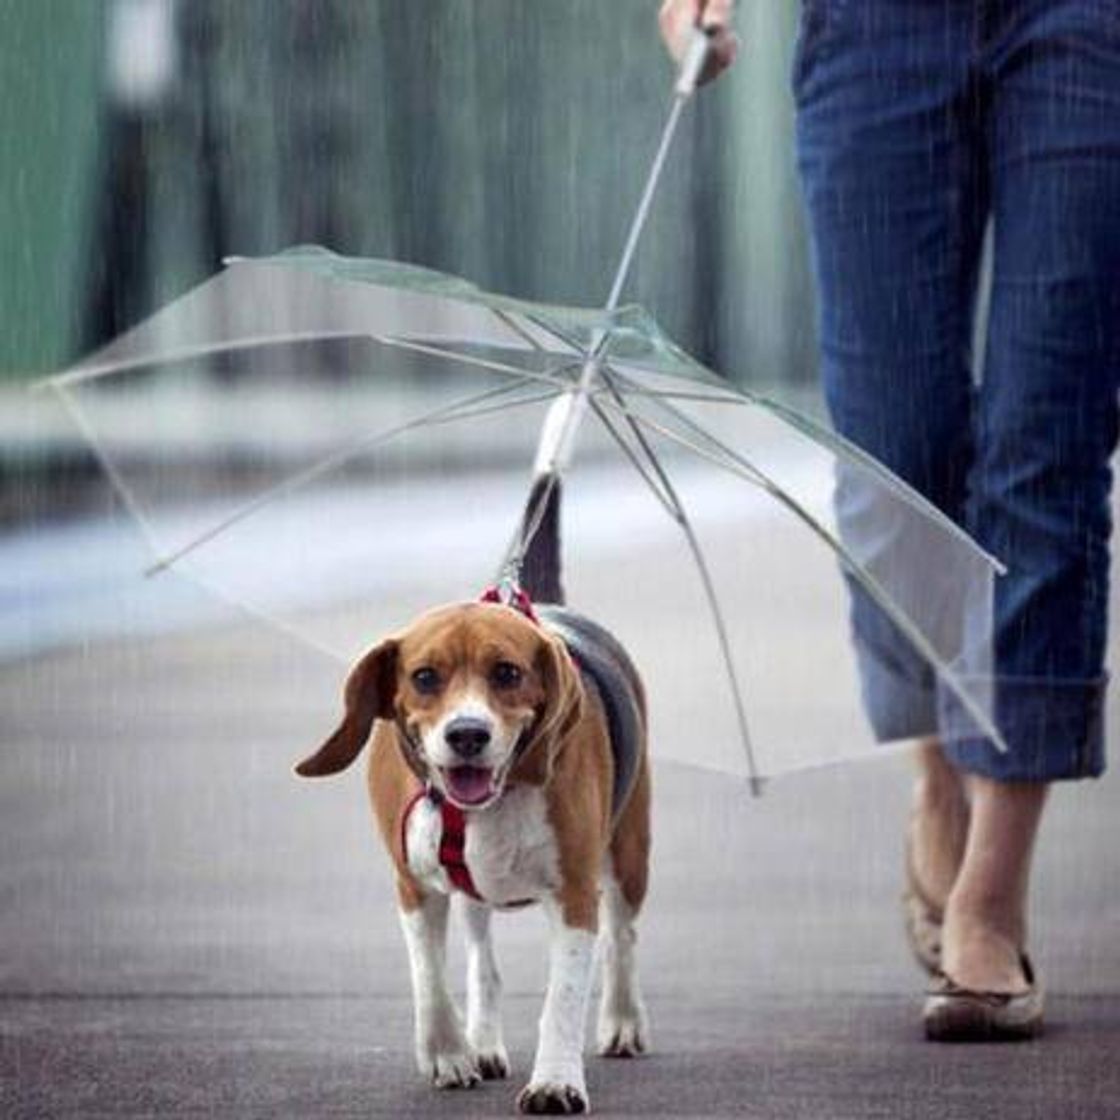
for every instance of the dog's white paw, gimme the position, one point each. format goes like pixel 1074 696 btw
pixel 623 1035
pixel 456 1070
pixel 552 1098
pixel 493 1062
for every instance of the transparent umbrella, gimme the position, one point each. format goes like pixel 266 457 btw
pixel 366 456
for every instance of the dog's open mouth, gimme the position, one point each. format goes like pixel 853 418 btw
pixel 469 785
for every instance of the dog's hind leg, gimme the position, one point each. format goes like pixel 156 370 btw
pixel 484 993
pixel 623 1027
pixel 442 1050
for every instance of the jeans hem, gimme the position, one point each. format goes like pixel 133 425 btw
pixel 1053 728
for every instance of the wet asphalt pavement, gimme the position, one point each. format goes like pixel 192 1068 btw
pixel 187 930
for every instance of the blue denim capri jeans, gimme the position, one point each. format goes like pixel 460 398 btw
pixel 918 121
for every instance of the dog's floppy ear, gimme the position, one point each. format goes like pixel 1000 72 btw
pixel 563 703
pixel 368 695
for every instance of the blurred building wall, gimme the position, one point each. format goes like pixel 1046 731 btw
pixel 50 79
pixel 503 140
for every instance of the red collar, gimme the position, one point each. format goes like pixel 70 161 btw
pixel 518 600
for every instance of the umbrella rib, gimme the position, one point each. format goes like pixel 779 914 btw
pixel 508 319
pixel 99 370
pixel 843 448
pixel 116 479
pixel 733 462
pixel 642 469
pixel 149 534
pixel 457 410
pixel 635 389
pixel 674 395
pixel 481 363
pixel 847 449
pixel 563 336
pixel 672 500
pixel 468 413
pixel 700 560
pixel 103 369
pixel 259 614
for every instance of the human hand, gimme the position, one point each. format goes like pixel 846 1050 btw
pixel 677 20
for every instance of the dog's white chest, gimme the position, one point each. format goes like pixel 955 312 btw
pixel 509 848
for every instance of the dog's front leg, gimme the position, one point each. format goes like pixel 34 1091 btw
pixel 484 992
pixel 557 1084
pixel 442 1052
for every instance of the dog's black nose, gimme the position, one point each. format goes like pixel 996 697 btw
pixel 467 736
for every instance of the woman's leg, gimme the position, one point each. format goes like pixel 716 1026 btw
pixel 1046 428
pixel 939 823
pixel 895 257
pixel 985 920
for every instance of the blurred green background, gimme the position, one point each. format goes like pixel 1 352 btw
pixel 50 83
pixel 503 140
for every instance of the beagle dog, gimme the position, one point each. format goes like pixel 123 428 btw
pixel 508 765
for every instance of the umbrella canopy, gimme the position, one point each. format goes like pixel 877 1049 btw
pixel 368 455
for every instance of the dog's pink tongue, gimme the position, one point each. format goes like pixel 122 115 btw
pixel 468 784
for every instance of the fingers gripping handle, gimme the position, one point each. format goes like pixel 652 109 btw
pixel 693 62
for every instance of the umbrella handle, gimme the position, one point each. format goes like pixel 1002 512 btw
pixel 693 61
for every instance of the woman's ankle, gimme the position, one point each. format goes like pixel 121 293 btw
pixel 983 950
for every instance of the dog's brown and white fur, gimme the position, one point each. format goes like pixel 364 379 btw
pixel 487 707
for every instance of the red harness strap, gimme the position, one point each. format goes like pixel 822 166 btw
pixel 453 839
pixel 451 847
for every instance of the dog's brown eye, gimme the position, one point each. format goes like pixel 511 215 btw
pixel 505 675
pixel 426 680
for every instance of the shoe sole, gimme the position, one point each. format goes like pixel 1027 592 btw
pixel 971 1018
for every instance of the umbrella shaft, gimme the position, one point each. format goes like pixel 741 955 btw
pixel 557 442
pixel 566 415
pixel 644 204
